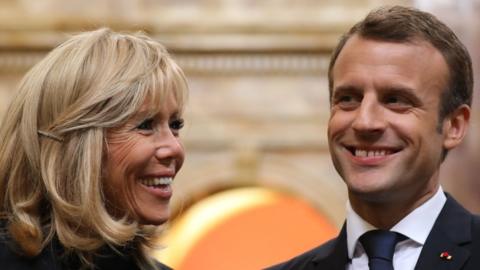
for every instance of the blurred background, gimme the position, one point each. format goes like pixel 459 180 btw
pixel 258 185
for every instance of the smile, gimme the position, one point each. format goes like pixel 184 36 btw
pixel 157 181
pixel 371 152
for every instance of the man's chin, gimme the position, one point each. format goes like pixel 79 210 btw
pixel 372 194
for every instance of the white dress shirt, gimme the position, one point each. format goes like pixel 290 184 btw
pixel 415 226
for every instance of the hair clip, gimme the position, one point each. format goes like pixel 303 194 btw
pixel 50 136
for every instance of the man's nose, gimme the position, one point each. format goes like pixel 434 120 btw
pixel 370 117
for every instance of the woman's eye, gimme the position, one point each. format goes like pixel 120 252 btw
pixel 147 124
pixel 177 124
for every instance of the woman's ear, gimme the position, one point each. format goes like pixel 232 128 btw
pixel 455 126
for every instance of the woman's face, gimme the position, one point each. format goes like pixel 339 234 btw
pixel 143 157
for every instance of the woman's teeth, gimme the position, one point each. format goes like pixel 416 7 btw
pixel 157 181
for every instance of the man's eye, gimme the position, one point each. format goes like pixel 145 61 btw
pixel 393 99
pixel 147 124
pixel 346 101
pixel 398 102
pixel 177 124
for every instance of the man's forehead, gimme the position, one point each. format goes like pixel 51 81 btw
pixel 389 65
pixel 367 51
pixel 414 41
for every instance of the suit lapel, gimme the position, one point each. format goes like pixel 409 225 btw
pixel 336 257
pixel 451 233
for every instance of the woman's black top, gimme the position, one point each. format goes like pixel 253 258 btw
pixel 53 258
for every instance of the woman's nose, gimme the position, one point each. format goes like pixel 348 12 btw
pixel 169 148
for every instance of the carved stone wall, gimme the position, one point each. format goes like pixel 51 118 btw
pixel 257 71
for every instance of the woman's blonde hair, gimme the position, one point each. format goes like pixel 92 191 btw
pixel 52 146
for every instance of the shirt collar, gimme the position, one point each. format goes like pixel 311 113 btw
pixel 416 225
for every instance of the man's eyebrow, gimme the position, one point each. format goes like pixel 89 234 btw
pixel 391 89
pixel 342 89
pixel 399 89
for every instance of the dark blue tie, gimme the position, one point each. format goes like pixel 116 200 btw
pixel 379 246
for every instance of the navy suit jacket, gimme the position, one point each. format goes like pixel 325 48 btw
pixel 455 231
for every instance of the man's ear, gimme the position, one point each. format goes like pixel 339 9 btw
pixel 455 126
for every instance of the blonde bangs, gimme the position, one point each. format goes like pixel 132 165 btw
pixel 167 79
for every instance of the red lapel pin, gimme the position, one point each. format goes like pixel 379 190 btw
pixel 446 256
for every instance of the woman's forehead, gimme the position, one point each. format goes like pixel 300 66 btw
pixel 154 106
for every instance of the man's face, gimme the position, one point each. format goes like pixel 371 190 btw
pixel 383 130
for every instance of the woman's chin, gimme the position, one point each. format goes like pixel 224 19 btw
pixel 156 220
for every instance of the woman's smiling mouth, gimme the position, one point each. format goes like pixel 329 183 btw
pixel 157 181
pixel 159 187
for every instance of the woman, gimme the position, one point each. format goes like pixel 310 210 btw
pixel 90 146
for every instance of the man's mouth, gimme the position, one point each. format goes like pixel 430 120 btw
pixel 371 152
pixel 157 182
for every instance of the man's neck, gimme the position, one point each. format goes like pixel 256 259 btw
pixel 385 214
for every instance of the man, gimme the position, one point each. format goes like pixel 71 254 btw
pixel 401 87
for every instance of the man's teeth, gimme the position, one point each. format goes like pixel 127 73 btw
pixel 370 153
pixel 157 181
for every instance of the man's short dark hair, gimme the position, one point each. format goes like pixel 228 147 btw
pixel 405 24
